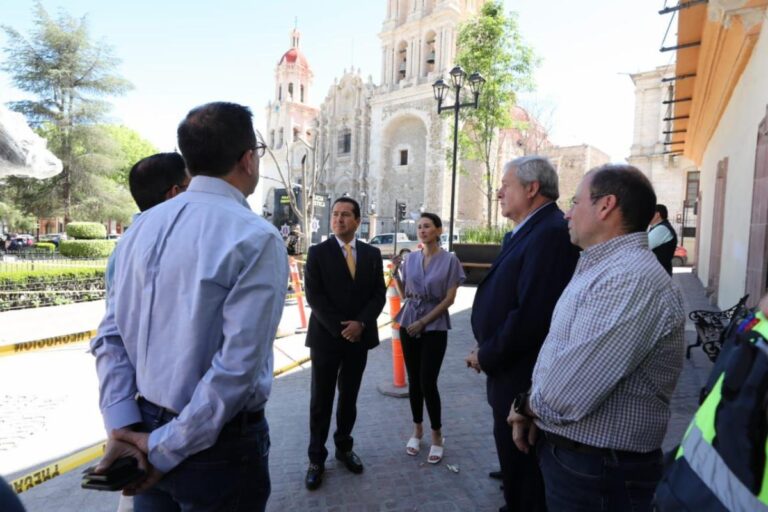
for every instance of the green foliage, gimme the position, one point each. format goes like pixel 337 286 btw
pixel 45 247
pixel 86 231
pixel 34 288
pixel 130 147
pixel 492 45
pixel 68 75
pixel 86 248
pixel 484 235
pixel 15 220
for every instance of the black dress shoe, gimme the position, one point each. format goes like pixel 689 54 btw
pixel 314 476
pixel 495 474
pixel 350 460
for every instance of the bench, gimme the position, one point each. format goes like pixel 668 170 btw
pixel 476 265
pixel 710 326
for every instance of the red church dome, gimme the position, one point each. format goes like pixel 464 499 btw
pixel 294 56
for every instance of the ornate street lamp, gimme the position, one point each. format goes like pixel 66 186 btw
pixel 440 88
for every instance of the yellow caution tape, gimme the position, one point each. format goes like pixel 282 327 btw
pixel 92 453
pixel 59 467
pixel 54 342
pixel 291 366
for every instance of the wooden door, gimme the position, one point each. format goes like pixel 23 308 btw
pixel 716 244
pixel 757 271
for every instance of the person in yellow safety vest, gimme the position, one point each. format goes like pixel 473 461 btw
pixel 721 462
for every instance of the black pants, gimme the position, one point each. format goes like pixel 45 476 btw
pixel 423 358
pixel 523 483
pixel 329 367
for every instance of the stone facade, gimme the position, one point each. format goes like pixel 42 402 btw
pixel 343 129
pixel 571 164
pixel 409 140
pixel 668 173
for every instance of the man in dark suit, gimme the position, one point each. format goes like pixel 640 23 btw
pixel 513 308
pixel 345 288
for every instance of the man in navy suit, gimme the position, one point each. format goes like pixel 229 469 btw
pixel 345 286
pixel 513 308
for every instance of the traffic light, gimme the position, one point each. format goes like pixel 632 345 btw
pixel 401 211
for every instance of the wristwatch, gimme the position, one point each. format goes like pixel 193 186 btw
pixel 520 403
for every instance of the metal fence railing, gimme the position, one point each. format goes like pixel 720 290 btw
pixel 31 261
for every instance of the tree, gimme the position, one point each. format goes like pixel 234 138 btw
pixel 100 191
pixel 69 74
pixel 306 170
pixel 491 44
pixel 129 148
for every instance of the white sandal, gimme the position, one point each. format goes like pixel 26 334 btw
pixel 435 453
pixel 412 448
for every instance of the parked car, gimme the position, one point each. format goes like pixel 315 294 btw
pixel 54 238
pixel 385 243
pixel 113 236
pixel 680 258
pixel 28 240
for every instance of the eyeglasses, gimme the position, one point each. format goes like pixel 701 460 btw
pixel 260 148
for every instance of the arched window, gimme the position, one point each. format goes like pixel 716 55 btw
pixel 280 139
pixel 279 93
pixel 272 139
pixel 301 92
pixel 290 91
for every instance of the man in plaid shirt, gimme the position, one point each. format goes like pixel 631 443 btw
pixel 604 377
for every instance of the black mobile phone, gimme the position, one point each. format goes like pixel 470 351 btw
pixel 121 473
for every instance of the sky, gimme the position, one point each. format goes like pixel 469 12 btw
pixel 180 54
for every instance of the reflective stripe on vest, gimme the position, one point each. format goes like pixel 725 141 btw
pixel 704 420
pixel 714 473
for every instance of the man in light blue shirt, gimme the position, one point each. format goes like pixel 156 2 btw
pixel 184 352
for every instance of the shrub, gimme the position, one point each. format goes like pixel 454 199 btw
pixel 86 231
pixel 87 248
pixel 45 247
pixel 34 288
pixel 493 235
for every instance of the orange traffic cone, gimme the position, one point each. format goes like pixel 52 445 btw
pixel 296 281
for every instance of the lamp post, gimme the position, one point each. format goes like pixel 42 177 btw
pixel 440 88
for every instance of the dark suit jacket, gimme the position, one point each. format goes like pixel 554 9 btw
pixel 514 303
pixel 334 296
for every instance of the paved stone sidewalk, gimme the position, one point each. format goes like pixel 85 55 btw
pixel 393 481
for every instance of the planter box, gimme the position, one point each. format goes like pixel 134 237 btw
pixel 476 259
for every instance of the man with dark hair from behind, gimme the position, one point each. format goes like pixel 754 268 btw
pixel 157 178
pixel 604 377
pixel 662 239
pixel 184 352
pixel 152 180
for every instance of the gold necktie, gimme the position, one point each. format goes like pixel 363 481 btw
pixel 350 260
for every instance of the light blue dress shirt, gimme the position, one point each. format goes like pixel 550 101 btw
pixel 109 274
pixel 191 318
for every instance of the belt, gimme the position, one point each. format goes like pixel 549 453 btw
pixel 243 418
pixel 575 446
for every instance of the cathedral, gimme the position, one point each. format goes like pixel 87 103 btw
pixel 378 143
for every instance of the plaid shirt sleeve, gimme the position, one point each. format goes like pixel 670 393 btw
pixel 612 331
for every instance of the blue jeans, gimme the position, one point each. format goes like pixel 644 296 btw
pixel 586 482
pixel 231 475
